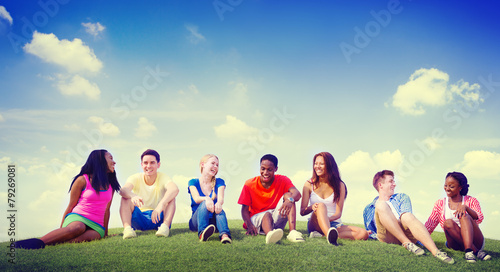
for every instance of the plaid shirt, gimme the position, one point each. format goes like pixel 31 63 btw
pixel 401 203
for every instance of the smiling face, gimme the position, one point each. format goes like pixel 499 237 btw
pixel 210 167
pixel 110 162
pixel 267 170
pixel 452 187
pixel 387 185
pixel 319 166
pixel 150 165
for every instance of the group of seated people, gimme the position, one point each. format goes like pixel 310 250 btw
pixel 267 205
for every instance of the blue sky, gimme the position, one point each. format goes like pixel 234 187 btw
pixel 411 86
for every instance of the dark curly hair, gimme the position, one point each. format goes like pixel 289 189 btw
pixel 462 180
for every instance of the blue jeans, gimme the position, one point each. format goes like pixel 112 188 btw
pixel 202 218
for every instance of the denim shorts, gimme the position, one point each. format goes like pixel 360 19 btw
pixel 142 220
pixel 333 224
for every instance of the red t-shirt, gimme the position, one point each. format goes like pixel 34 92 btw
pixel 260 199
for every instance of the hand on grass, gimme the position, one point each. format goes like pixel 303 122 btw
pixel 252 230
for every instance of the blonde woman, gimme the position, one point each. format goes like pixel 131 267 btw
pixel 207 198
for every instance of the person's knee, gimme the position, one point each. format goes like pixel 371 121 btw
pixel 77 227
pixel 268 217
pixel 321 207
pixel 407 217
pixel 449 224
pixel 382 207
pixel 203 204
pixel 362 234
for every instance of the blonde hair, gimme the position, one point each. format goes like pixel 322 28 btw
pixel 203 160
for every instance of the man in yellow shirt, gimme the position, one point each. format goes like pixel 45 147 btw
pixel 148 199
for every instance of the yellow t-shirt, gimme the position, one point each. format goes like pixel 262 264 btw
pixel 151 195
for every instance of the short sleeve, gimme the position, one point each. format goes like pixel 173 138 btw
pixel 218 183
pixel 193 182
pixel 245 196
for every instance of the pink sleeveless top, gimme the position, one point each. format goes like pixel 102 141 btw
pixel 92 205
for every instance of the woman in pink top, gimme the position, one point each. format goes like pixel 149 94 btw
pixel 324 197
pixel 87 215
pixel 459 215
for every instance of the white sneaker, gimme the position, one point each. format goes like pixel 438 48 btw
pixel 414 249
pixel 274 236
pixel 481 255
pixel 163 230
pixel 295 236
pixel 469 257
pixel 315 234
pixel 445 258
pixel 129 232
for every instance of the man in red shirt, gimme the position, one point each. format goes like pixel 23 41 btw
pixel 268 203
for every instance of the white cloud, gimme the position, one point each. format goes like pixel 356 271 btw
pixel 300 177
pixel 431 88
pixel 74 55
pixel 146 128
pixel 48 198
pixel 79 86
pixel 94 29
pixel 480 164
pixel 4 161
pixel 44 149
pixel 239 93
pixel 1 118
pixel 107 128
pixel 194 36
pixel 360 167
pixel 6 15
pixel 234 128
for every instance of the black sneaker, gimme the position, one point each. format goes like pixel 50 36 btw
pixel 207 232
pixel 32 243
pixel 332 236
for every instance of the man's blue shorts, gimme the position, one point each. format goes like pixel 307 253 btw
pixel 142 220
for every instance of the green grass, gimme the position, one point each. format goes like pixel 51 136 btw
pixel 182 251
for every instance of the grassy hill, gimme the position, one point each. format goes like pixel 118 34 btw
pixel 182 251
